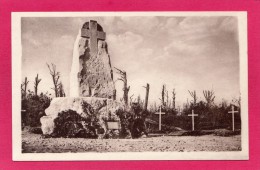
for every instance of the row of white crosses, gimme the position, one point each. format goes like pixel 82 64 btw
pixel 160 118
pixel 193 115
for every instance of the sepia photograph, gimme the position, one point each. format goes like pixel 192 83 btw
pixel 130 86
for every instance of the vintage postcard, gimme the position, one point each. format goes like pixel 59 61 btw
pixel 129 86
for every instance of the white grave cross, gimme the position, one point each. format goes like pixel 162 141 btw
pixel 192 115
pixel 233 117
pixel 160 118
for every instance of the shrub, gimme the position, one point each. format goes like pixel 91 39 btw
pixel 71 124
pixel 34 107
pixel 133 121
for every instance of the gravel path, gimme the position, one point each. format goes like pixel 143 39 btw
pixel 32 143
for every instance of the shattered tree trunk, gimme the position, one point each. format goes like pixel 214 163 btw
pixel 167 99
pixel 163 96
pixel 36 83
pixel 209 96
pixel 126 88
pixel 55 78
pixel 61 90
pixel 194 96
pixel 173 98
pixel 146 96
pixel 25 83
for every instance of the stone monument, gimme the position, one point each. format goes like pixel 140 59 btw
pixel 91 64
pixel 92 89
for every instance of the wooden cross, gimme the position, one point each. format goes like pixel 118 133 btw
pixel 233 117
pixel 94 35
pixel 160 117
pixel 192 115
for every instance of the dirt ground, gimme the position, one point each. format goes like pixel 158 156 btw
pixel 32 143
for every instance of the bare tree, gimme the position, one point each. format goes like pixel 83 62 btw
pixel 209 96
pixel 194 96
pixel 24 87
pixel 123 78
pixel 163 95
pixel 179 110
pixel 173 98
pixel 61 90
pixel 146 95
pixel 55 78
pixel 170 104
pixel 36 83
pixel 131 98
pixel 167 98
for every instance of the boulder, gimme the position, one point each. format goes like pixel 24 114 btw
pixel 101 109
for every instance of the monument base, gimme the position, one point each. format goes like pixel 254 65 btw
pixel 88 112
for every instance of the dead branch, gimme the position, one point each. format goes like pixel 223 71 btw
pixel 147 87
pixel 24 87
pixel 36 83
pixel 194 96
pixel 209 96
pixel 55 78
pixel 126 88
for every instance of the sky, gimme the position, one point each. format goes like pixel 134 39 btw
pixel 184 53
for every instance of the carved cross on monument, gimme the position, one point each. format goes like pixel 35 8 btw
pixel 233 117
pixel 192 115
pixel 160 117
pixel 94 34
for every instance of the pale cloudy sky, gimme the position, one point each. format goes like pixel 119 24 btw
pixel 185 53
